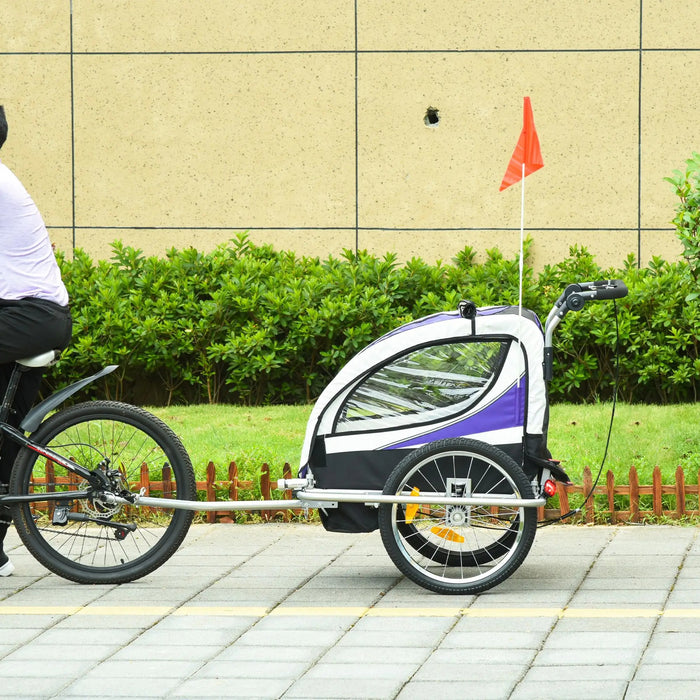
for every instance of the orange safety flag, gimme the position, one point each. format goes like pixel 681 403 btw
pixel 527 151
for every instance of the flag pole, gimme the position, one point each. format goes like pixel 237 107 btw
pixel 520 266
pixel 522 234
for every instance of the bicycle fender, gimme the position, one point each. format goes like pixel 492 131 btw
pixel 33 419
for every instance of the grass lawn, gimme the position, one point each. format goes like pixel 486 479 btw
pixel 248 436
pixel 643 436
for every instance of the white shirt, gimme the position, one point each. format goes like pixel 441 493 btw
pixel 28 266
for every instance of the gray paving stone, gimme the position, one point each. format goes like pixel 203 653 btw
pixel 331 688
pixel 676 640
pixel 578 625
pixel 252 669
pixel 561 639
pixel 484 690
pixel 668 671
pixel 577 672
pixel 672 655
pixel 669 623
pixel 378 639
pixel 28 622
pixel 284 638
pixel 165 635
pixel 261 688
pixel 243 654
pixel 394 626
pixel 655 689
pixel 388 655
pixel 399 670
pixel 494 640
pixel 137 651
pixel 461 668
pixel 641 597
pixel 573 690
pixel 587 656
pixel 35 670
pixel 154 687
pixel 483 656
pixel 306 622
pixel 19 687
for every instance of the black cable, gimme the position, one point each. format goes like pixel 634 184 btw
pixel 610 426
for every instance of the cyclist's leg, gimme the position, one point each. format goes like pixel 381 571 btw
pixel 27 392
pixel 27 327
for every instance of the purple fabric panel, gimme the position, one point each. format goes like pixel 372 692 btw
pixel 490 310
pixel 506 412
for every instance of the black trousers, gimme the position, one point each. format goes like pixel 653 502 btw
pixel 27 327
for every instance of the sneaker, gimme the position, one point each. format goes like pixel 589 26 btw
pixel 7 567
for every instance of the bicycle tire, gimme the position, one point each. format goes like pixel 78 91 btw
pixel 471 548
pixel 101 542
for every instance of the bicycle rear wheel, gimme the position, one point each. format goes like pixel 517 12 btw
pixel 89 539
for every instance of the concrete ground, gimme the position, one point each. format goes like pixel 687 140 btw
pixel 292 611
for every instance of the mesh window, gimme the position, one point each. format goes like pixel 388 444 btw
pixel 423 385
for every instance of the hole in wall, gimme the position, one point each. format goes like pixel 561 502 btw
pixel 431 117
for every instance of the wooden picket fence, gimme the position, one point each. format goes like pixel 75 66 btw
pixel 233 489
pixel 624 502
pixel 610 502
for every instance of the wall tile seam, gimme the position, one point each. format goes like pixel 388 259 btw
pixel 351 52
pixel 550 229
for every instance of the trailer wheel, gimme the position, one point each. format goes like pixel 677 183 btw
pixel 457 549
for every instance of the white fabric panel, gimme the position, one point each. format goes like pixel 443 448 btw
pixel 452 327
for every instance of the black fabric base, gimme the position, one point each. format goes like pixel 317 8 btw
pixel 353 470
pixel 367 469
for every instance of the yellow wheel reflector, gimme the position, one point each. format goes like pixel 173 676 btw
pixel 412 508
pixel 447 534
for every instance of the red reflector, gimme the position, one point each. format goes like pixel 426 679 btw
pixel 550 488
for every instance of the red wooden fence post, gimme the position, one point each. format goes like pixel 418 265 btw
pixel 211 493
pixel 610 482
pixel 167 481
pixel 233 481
pixel 564 507
pixel 680 492
pixel 287 495
pixel 634 495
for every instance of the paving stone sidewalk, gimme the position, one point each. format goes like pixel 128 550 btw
pixel 292 611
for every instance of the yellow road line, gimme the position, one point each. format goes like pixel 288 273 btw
pixel 223 611
pixel 289 610
pixel 351 611
pixel 412 612
pixel 39 609
pixel 612 612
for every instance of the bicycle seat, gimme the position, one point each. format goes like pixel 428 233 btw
pixel 43 360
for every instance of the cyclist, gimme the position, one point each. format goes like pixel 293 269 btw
pixel 34 313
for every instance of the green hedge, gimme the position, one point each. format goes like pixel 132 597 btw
pixel 248 324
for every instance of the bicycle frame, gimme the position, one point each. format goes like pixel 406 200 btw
pixel 94 478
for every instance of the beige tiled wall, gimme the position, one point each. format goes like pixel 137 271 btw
pixel 174 123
